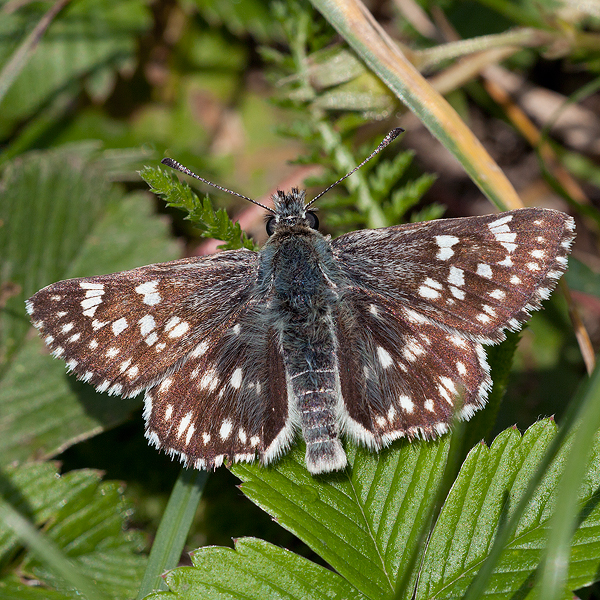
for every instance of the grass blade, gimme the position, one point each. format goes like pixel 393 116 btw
pixel 173 529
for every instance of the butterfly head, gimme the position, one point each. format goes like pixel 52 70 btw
pixel 291 212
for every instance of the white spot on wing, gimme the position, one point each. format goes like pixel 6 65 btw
pixel 427 292
pixel 506 237
pixel 209 380
pixel 445 243
pixel 190 433
pixel 150 293
pixel 199 350
pixel 384 357
pixel 151 339
pixel 457 292
pixel 147 324
pixel 165 385
pixel 406 403
pixel 225 430
pixel 456 276
pixel 183 424
pixel 236 378
pixel 484 270
pixel 448 384
pixel 89 302
pixel 119 326
pixel 501 221
pixel 179 330
pixel 171 323
pixel 88 285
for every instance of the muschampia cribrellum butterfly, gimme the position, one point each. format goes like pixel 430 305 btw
pixel 374 336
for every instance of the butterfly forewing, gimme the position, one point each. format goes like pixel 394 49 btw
pixel 476 275
pixel 124 332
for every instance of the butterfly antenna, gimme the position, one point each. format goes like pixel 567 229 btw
pixel 179 167
pixel 390 137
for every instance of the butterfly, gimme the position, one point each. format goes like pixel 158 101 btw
pixel 373 336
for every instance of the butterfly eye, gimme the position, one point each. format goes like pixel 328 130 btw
pixel 271 226
pixel 313 222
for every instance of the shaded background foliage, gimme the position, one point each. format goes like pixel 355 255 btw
pixel 258 96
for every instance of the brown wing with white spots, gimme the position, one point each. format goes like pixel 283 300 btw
pixel 123 332
pixel 194 334
pixel 227 402
pixel 422 299
pixel 478 275
pixel 403 375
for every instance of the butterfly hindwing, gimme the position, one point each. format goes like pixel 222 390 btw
pixel 229 400
pixel 404 377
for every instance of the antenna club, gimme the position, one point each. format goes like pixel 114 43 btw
pixel 390 137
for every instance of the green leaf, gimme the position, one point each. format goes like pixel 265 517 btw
pixel 81 515
pixel 366 520
pixel 87 36
pixel 60 217
pixel 254 570
pixel 211 223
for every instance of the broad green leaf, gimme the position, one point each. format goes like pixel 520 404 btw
pixel 86 37
pixel 254 570
pixel 83 516
pixel 60 217
pixel 488 487
pixel 364 521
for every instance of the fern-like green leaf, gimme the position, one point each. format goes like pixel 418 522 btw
pixel 210 222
